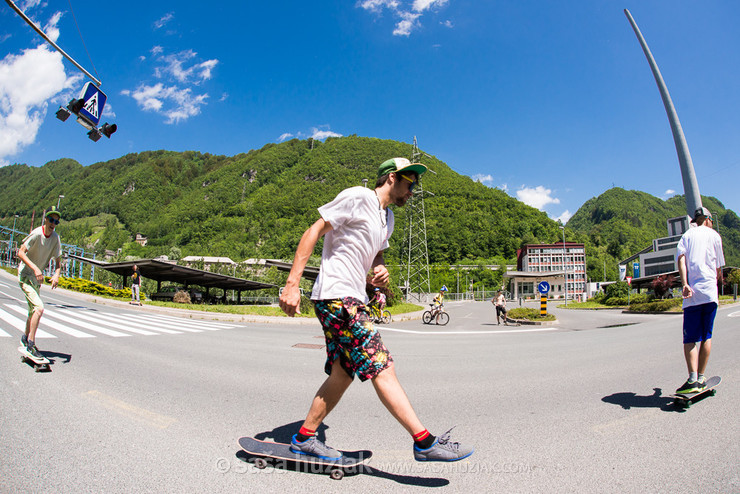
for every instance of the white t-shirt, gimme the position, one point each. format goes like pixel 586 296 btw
pixel 702 247
pixel 360 230
pixel 40 250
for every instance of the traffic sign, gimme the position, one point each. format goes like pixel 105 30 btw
pixel 93 103
pixel 543 287
pixel 629 280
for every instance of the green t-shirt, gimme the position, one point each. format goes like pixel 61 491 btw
pixel 40 250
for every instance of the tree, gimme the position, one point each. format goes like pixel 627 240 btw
pixel 662 285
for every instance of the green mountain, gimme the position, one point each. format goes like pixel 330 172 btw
pixel 258 204
pixel 621 222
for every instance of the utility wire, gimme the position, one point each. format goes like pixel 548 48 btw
pixel 82 39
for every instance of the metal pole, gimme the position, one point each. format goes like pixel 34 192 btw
pixel 565 268
pixel 690 185
pixel 46 38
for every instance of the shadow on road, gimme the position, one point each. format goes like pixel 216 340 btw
pixel 284 434
pixel 630 400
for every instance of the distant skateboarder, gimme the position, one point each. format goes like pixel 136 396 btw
pixel 42 244
pixel 356 227
pixel 500 302
pixel 700 261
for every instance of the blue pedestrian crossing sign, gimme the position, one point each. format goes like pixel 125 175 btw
pixel 94 102
pixel 543 287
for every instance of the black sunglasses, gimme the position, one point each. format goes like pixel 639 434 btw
pixel 52 220
pixel 413 182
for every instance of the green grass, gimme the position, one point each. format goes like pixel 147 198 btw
pixel 529 315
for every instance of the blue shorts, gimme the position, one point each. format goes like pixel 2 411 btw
pixel 698 322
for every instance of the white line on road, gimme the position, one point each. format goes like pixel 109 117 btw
pixel 57 326
pixel 434 333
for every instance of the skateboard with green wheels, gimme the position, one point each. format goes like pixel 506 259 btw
pixel 686 400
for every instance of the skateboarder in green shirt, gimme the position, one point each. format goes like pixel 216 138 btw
pixel 41 245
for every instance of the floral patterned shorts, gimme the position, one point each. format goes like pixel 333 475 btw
pixel 351 338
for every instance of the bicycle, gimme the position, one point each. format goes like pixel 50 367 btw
pixel 378 316
pixel 437 313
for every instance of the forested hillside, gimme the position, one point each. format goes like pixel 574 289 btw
pixel 621 222
pixel 257 205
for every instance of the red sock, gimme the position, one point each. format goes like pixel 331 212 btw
pixel 424 439
pixel 304 434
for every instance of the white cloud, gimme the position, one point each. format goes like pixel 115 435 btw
pixel 173 102
pixel 447 23
pixel 174 65
pixel 323 134
pixel 422 5
pixel 320 133
pixel 161 22
pixel 484 179
pixel 669 192
pixel 409 22
pixel 563 218
pixel 408 15
pixel 537 197
pixel 174 96
pixel 29 81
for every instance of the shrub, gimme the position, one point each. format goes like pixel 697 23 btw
pixel 599 297
pixel 640 298
pixel 529 314
pixel 616 301
pixel 86 286
pixel 618 289
pixel 657 305
pixel 181 297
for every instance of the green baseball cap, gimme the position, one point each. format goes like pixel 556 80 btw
pixel 53 210
pixel 400 164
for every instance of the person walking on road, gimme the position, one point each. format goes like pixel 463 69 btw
pixel 40 246
pixel 356 227
pixel 135 286
pixel 499 301
pixel 700 260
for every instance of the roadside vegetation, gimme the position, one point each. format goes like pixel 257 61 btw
pixel 528 314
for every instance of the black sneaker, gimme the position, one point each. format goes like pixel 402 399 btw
pixel 443 450
pixel 690 387
pixel 24 340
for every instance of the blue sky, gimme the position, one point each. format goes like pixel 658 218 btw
pixel 553 102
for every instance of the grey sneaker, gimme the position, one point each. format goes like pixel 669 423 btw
pixel 34 352
pixel 24 340
pixel 314 447
pixel 443 450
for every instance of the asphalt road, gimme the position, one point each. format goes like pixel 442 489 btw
pixel 580 406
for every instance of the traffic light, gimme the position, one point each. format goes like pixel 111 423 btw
pixel 76 105
pixel 107 129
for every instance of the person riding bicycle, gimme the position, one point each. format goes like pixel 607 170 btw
pixel 378 299
pixel 438 302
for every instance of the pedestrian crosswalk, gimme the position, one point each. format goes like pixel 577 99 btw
pixel 83 322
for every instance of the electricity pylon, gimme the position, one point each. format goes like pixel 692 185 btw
pixel 415 254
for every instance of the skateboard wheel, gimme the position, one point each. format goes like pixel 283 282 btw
pixel 713 392
pixel 337 474
pixel 260 463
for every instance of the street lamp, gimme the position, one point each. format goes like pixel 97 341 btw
pixel 565 268
pixel 59 200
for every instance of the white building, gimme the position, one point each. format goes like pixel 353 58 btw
pixel 551 263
